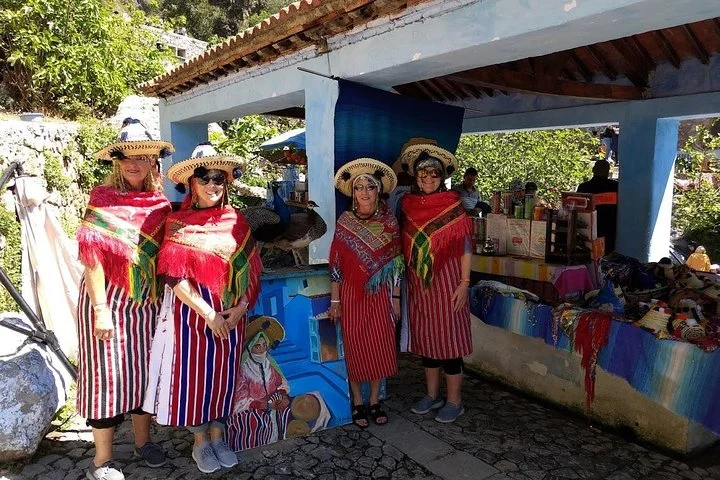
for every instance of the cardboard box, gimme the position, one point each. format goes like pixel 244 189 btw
pixel 518 237
pixel 590 220
pixel 538 234
pixel 582 202
pixel 496 229
pixel 597 248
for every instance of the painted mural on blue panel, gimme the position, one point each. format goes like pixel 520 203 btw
pixel 294 379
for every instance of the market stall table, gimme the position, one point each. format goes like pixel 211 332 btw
pixel 674 399
pixel 551 282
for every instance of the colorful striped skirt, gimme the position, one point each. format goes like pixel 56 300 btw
pixel 436 331
pixel 112 374
pixel 368 331
pixel 192 372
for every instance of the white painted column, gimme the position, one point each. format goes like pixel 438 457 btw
pixel 321 94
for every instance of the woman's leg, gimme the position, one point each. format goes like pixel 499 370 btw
pixel 454 377
pixel 376 412
pixel 103 438
pixel 375 391
pixel 356 393
pixel 200 434
pixel 224 454
pixel 432 382
pixel 141 428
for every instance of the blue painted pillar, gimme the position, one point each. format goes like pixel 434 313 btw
pixel 648 147
pixel 321 94
pixel 185 137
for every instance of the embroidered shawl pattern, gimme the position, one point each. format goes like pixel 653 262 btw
pixel 368 251
pixel 434 229
pixel 122 232
pixel 214 247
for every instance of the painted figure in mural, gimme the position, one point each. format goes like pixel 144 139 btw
pixel 365 266
pixel 118 244
pixel 212 271
pixel 263 410
pixel 436 242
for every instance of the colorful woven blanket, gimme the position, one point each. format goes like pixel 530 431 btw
pixel 122 232
pixel 434 230
pixel 214 247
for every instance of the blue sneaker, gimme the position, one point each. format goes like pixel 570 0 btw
pixel 426 404
pixel 449 413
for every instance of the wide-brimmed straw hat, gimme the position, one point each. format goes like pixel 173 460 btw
pixel 134 139
pixel 347 174
pixel 206 156
pixel 272 329
pixel 412 151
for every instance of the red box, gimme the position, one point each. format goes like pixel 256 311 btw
pixel 583 202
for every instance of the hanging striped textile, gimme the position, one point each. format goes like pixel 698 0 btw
pixel 112 374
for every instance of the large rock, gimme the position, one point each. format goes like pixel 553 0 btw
pixel 33 386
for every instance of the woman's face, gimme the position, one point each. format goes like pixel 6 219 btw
pixel 260 346
pixel 136 168
pixel 429 180
pixel 366 194
pixel 209 188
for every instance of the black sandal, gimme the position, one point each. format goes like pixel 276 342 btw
pixel 377 413
pixel 358 414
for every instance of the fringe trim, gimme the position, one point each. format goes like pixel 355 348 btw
pixel 182 261
pixel 386 275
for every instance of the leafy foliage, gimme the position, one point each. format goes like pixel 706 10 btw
pixel 10 256
pixel 696 211
pixel 91 137
pixel 74 57
pixel 557 160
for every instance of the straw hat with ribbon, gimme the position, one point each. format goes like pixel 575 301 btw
pixel 415 148
pixel 134 139
pixel 272 329
pixel 206 156
pixel 347 174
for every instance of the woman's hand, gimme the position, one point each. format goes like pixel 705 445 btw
pixel 218 325
pixel 103 327
pixel 335 311
pixel 235 314
pixel 460 296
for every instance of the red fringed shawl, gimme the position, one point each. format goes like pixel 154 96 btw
pixel 367 251
pixel 214 247
pixel 434 230
pixel 122 231
pixel 591 334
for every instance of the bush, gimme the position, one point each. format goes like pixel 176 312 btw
pixel 10 257
pixel 557 160
pixel 74 57
pixel 91 137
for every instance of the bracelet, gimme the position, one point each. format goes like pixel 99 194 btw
pixel 396 296
pixel 334 301
pixel 207 315
pixel 99 305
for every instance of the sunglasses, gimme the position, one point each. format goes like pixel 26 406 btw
pixel 218 179
pixel 369 188
pixel 429 172
pixel 139 158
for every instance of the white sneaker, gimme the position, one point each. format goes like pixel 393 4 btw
pixel 106 471
pixel 224 454
pixel 205 458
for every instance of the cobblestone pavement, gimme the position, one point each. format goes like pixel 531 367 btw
pixel 503 435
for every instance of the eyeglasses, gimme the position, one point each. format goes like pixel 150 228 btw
pixel 429 172
pixel 369 188
pixel 217 179
pixel 140 158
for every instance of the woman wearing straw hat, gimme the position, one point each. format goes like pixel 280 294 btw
pixel 365 265
pixel 118 243
pixel 436 243
pixel 212 272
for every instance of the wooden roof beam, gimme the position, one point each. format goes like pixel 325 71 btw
pixel 503 79
pixel 697 45
pixel 607 69
pixel 425 90
pixel 584 71
pixel 667 47
pixel 440 93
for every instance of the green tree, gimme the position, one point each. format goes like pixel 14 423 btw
pixel 74 57
pixel 557 160
pixel 696 210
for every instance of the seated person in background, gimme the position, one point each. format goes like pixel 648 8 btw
pixel 531 188
pixel 606 212
pixel 469 195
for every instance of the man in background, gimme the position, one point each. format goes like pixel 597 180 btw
pixel 469 195
pixel 606 205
